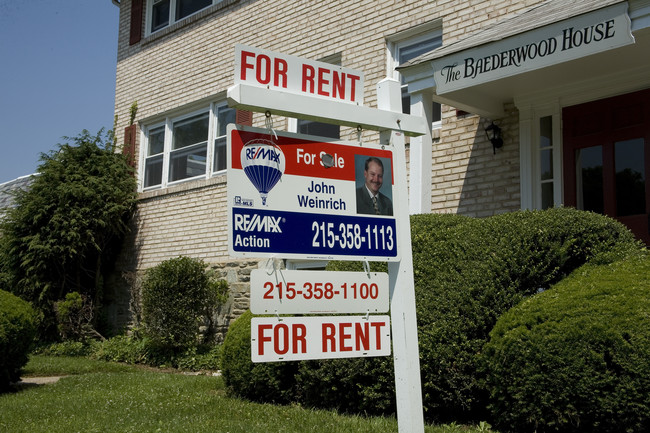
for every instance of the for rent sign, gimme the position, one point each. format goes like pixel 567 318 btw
pixel 587 34
pixel 319 337
pixel 264 68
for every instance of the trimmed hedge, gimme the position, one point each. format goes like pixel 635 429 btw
pixel 470 271
pixel 467 273
pixel 576 358
pixel 17 332
pixel 264 382
pixel 355 385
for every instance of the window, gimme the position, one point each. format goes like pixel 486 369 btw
pixel 409 45
pixel 320 129
pixel 589 179
pixel 162 13
pixel 153 165
pixel 177 149
pixel 306 265
pixel 225 116
pixel 189 147
pixel 546 160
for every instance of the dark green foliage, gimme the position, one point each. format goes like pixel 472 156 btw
pixel 136 350
pixel 65 230
pixel 468 272
pixel 68 348
pixel 130 350
pixel 265 382
pixel 75 315
pixel 576 358
pixel 17 331
pixel 355 385
pixel 203 357
pixel 177 295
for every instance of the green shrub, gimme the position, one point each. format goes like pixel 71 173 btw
pixel 203 357
pixel 142 350
pixel 354 385
pixel 470 271
pixel 176 296
pixel 68 348
pixel 467 273
pixel 17 332
pixel 265 382
pixel 576 358
pixel 75 316
pixel 66 228
pixel 130 350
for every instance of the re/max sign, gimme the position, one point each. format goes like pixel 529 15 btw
pixel 268 69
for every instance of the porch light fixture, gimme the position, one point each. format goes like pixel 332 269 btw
pixel 493 133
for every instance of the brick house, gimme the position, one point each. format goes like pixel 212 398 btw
pixel 175 59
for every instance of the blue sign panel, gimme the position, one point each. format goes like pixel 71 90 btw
pixel 315 235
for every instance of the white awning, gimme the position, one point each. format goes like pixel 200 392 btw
pixel 551 45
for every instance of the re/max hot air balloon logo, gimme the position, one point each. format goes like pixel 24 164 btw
pixel 264 163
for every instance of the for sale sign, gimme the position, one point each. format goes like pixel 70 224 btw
pixel 299 196
pixel 319 337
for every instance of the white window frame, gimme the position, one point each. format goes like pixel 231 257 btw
pixel 172 18
pixel 530 154
pixel 168 123
pixel 215 135
pixel 395 43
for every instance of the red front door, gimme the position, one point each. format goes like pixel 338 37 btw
pixel 606 146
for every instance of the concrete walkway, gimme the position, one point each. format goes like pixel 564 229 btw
pixel 26 382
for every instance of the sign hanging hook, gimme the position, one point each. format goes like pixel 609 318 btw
pixel 366 267
pixel 359 130
pixel 268 121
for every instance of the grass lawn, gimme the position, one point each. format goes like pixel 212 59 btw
pixel 110 397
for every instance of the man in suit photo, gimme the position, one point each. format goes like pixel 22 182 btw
pixel 369 199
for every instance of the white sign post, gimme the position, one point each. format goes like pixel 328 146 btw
pixel 287 85
pixel 406 355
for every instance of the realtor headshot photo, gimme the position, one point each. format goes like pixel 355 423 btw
pixel 374 196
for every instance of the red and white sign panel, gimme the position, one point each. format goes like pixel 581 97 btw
pixel 277 71
pixel 305 197
pixel 319 337
pixel 313 292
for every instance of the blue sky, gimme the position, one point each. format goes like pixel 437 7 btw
pixel 57 76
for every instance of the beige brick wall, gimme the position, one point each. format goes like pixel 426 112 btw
pixel 468 178
pixel 188 219
pixel 192 63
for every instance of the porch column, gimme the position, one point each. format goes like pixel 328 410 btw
pixel 420 156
